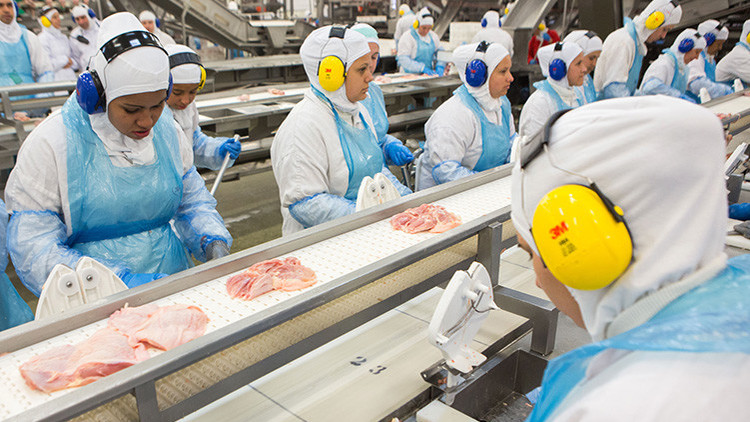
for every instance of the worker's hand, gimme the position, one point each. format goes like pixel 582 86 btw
pixel 393 51
pixel 743 229
pixel 70 63
pixel 136 279
pixel 546 37
pixel 216 249
pixel 398 153
pixel 231 147
pixel 440 70
pixel 429 72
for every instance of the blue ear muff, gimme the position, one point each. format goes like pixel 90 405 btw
pixel 158 23
pixel 710 38
pixel 500 23
pixel 476 73
pixel 557 68
pixel 686 45
pixel 90 93
pixel 91 13
pixel 169 88
pixel 484 22
pixel 15 6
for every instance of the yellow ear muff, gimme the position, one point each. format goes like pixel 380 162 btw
pixel 203 78
pixel 331 73
pixel 655 20
pixel 45 21
pixel 415 24
pixel 747 39
pixel 542 27
pixel 506 11
pixel 579 239
pixel 401 13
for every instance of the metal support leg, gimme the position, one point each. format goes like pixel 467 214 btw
pixel 542 313
pixel 488 250
pixel 148 406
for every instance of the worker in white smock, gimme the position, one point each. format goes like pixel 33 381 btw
pixel 188 77
pixel 395 152
pixel 404 23
pixel 606 233
pixel 668 74
pixel 22 57
pixel 13 310
pixel 57 46
pixel 702 72
pixel 105 176
pixel 619 66
pixel 83 37
pixel 492 32
pixel 562 64
pixel 592 49
pixel 150 22
pixel 736 64
pixel 473 130
pixel 327 144
pixel 418 47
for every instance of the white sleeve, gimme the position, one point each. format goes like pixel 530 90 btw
pixel 615 61
pixel 449 133
pixel 696 69
pixel 534 114
pixel 39 60
pixel 736 64
pixel 436 40
pixel 186 148
pixel 661 69
pixel 407 46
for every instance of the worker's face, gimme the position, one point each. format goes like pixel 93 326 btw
pixel 692 55
pixel 556 291
pixel 374 56
pixel 590 60
pixel 55 20
pixel 576 71
pixel 149 25
pixel 357 79
pixel 6 11
pixel 83 22
pixel 714 48
pixel 423 30
pixel 659 34
pixel 182 95
pixel 501 78
pixel 134 115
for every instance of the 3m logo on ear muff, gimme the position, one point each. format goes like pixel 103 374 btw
pixel 331 73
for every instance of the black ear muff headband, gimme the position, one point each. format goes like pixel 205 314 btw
pixel 129 41
pixel 184 58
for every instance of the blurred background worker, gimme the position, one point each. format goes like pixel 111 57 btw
pixel 83 37
pixel 702 72
pixel 189 76
pixel 562 64
pixel 327 144
pixel 22 57
pixel 667 312
pixel 417 48
pixel 13 310
pixel 395 152
pixel 619 66
pixel 105 176
pixel 473 131
pixel 57 46
pixel 668 75
pixel 404 24
pixel 491 32
pixel 149 21
pixel 592 49
pixel 541 37
pixel 736 64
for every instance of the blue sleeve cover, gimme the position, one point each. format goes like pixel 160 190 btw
pixel 655 86
pixel 197 222
pixel 740 211
pixel 402 190
pixel 448 171
pixel 206 150
pixel 715 90
pixel 409 64
pixel 321 207
pixel 614 90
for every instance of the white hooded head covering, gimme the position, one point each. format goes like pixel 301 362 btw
pixel 48 12
pixel 404 9
pixel 79 11
pixel 465 54
pixel 711 26
pixel 492 18
pixel 677 225
pixel 672 16
pixel 188 73
pixel 546 54
pixel 699 43
pixel 319 45
pixel 587 40
pixel 424 17
pixel 146 16
pixel 10 33
pixel 370 33
pixel 745 31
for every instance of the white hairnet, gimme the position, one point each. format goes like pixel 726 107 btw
pixel 689 33
pixel 146 16
pixel 712 26
pixel 677 224
pixel 79 11
pixel 672 16
pixel 425 17
pixel 369 32
pixel 745 31
pixel 11 32
pixel 319 45
pixel 466 53
pixel 188 73
pixel 142 69
pixel 492 19
pixel 587 40
pixel 546 54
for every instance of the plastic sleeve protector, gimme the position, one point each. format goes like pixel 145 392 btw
pixel 615 90
pixel 320 208
pixel 409 64
pixel 448 171
pixel 402 190
pixel 655 86
pixel 715 89
pixel 206 150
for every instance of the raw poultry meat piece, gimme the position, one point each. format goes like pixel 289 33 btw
pixel 162 327
pixel 285 274
pixel 104 353
pixel 382 79
pixel 426 217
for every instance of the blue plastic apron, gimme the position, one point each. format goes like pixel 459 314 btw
pixel 679 80
pixel 123 213
pixel 13 310
pixel 635 69
pixel 16 64
pixel 361 151
pixel 375 105
pixel 496 140
pixel 712 318
pixel 561 105
pixel 709 67
pixel 589 91
pixel 425 51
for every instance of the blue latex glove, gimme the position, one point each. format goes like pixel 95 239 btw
pixel 687 98
pixel 398 153
pixel 429 72
pixel 136 279
pixel 546 37
pixel 440 70
pixel 740 211
pixel 232 147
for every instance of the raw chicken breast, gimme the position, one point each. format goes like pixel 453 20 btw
pixel 285 274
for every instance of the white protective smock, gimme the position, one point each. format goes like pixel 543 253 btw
pixel 550 95
pixel 668 74
pixel 404 23
pixel 17 45
pixel 616 74
pixel 702 72
pixel 668 261
pixel 491 32
pixel 454 132
pixel 57 46
pixel 165 38
pixel 590 43
pixel 736 64
pixel 83 41
pixel 417 53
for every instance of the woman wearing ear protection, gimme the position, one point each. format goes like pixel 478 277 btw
pixel 491 32
pixel 668 74
pixel 592 49
pixel 736 64
pixel 148 20
pixel 22 56
pixel 396 153
pixel 702 72
pixel 57 46
pixel 105 176
pixel 619 66
pixel 562 64
pixel 473 131
pixel 637 259
pixel 188 77
pixel 83 37
pixel 541 37
pixel 328 143
pixel 404 24
pixel 418 47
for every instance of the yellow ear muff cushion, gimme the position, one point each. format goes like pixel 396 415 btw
pixel 654 20
pixel 415 24
pixel 401 13
pixel 45 21
pixel 331 73
pixel 579 240
pixel 203 78
pixel 542 27
pixel 747 39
